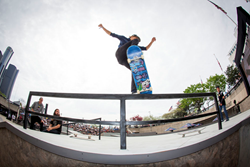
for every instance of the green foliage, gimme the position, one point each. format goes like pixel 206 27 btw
pixel 217 80
pixel 179 113
pixel 176 113
pixel 168 115
pixel 2 94
pixel 193 102
pixel 151 117
pixel 196 103
pixel 185 104
pixel 232 75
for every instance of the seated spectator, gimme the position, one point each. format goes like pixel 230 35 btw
pixel 55 125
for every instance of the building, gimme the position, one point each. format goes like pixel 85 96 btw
pixel 8 80
pixel 1 55
pixel 232 53
pixel 4 61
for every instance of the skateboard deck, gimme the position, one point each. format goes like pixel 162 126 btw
pixel 75 136
pixel 191 131
pixel 139 70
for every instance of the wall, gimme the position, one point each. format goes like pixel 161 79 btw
pixel 231 151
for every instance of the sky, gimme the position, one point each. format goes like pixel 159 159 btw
pixel 58 47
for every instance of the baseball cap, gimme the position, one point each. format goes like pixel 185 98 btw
pixel 134 35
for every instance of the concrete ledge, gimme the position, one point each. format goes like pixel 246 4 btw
pixel 141 150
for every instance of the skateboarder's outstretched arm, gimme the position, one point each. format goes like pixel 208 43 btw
pixel 152 41
pixel 107 31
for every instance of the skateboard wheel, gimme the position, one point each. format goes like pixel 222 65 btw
pixel 138 92
pixel 142 56
pixel 129 61
pixel 150 88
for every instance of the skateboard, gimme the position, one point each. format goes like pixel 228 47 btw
pixel 138 67
pixel 191 131
pixel 80 137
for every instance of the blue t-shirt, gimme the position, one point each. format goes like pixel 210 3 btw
pixel 124 40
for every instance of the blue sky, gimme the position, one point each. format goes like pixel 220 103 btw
pixel 58 47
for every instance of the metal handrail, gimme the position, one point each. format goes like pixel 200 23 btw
pixel 122 97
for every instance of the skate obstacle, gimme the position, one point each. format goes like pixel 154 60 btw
pixel 122 98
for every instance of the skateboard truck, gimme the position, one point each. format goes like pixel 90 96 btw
pixel 150 89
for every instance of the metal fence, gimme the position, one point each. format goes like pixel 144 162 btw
pixel 122 98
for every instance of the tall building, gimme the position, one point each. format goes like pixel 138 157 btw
pixel 9 79
pixel 232 53
pixel 1 55
pixel 5 60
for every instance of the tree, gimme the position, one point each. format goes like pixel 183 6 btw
pixel 179 113
pixel 2 94
pixel 185 104
pixel 217 80
pixel 232 75
pixel 212 82
pixel 136 118
pixel 168 115
pixel 176 113
pixel 151 117
pixel 194 102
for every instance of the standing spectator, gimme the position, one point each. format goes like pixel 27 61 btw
pixel 37 107
pixel 55 125
pixel 222 103
pixel 13 117
pixel 236 107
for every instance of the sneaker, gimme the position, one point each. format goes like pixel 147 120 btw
pixel 134 91
pixel 227 120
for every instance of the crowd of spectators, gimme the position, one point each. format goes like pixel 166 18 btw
pixel 92 130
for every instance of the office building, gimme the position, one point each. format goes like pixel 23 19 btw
pixel 4 61
pixel 8 80
pixel 1 55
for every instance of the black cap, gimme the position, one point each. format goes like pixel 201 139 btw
pixel 134 35
pixel 217 87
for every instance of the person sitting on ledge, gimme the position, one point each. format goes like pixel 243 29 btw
pixel 55 125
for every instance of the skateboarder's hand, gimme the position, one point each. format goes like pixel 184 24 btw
pixel 153 39
pixel 100 26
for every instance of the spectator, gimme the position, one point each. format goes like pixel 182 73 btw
pixel 37 107
pixel 222 103
pixel 55 125
pixel 236 107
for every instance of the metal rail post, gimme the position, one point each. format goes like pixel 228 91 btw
pixel 46 108
pixel 100 126
pixel 26 114
pixel 123 124
pixel 217 109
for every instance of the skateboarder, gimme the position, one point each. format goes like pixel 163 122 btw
pixel 125 43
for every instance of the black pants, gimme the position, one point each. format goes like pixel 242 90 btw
pixel 53 131
pixel 35 119
pixel 121 55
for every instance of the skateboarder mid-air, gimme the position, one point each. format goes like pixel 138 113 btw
pixel 125 43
